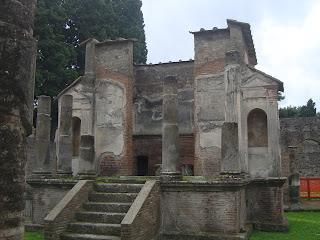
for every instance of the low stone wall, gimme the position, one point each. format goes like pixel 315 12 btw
pixel 41 196
pixel 56 221
pixel 143 218
pixel 203 210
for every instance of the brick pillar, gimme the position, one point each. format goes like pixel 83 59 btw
pixel 17 61
pixel 65 136
pixel 42 143
pixel 170 130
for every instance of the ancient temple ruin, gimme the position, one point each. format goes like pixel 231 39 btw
pixel 214 118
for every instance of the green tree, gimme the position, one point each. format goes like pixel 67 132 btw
pixel 288 112
pixel 307 110
pixel 55 56
pixel 61 25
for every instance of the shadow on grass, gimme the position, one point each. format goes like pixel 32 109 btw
pixel 302 226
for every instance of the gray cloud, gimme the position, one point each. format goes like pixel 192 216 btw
pixel 286 36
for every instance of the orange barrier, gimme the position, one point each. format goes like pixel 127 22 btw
pixel 309 187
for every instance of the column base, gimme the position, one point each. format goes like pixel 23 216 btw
pixel 170 176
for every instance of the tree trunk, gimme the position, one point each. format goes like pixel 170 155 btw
pixel 17 68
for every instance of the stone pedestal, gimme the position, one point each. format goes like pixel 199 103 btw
pixel 65 136
pixel 43 166
pixel 265 204
pixel 170 131
pixel 230 148
pixel 203 210
pixel 87 165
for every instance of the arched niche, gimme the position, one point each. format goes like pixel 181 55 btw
pixel 76 133
pixel 257 128
pixel 259 161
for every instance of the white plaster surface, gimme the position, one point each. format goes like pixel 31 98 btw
pixel 211 138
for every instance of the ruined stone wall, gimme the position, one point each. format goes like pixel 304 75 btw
pixel 148 96
pixel 209 98
pixel 302 135
pixel 82 106
pixel 113 99
pixel 151 147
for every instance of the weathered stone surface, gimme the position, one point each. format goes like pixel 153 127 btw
pixel 300 150
pixel 230 159
pixel 110 100
pixel 148 96
pixel 17 61
pixel 64 155
pixel 86 161
pixel 42 142
pixel 170 148
pixel 65 111
pixel 65 135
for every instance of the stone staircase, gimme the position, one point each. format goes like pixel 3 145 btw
pixel 100 217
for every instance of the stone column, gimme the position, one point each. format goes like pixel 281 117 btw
pixel 90 56
pixel 170 131
pixel 17 61
pixel 293 179
pixel 232 79
pixel 42 143
pixel 65 136
pixel 87 165
pixel 230 148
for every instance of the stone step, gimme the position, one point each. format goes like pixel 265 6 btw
pixel 99 217
pixel 118 187
pixel 107 207
pixel 112 197
pixel 75 236
pixel 95 228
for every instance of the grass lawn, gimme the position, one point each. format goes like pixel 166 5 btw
pixel 302 226
pixel 33 236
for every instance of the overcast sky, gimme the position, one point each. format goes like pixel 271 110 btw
pixel 286 34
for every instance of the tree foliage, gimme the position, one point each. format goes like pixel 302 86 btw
pixel 61 25
pixel 308 110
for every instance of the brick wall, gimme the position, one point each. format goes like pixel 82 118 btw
pixel 42 196
pixel 143 218
pixel 265 205
pixel 115 63
pixel 56 221
pixel 193 209
pixel 151 147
